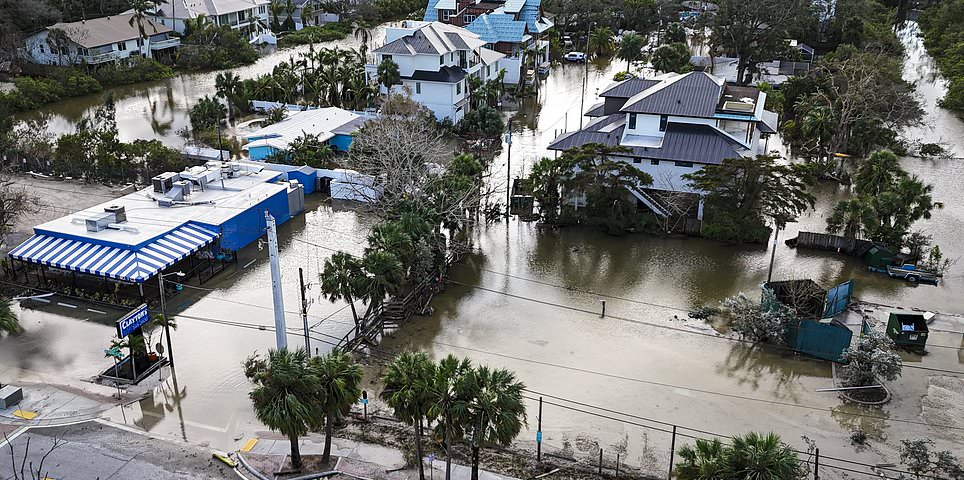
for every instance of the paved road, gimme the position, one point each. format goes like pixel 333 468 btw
pixel 98 451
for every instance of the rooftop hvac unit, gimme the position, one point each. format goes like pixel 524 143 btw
pixel 99 222
pixel 183 186
pixel 120 215
pixel 164 181
pixel 742 107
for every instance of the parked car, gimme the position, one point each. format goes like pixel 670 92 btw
pixel 566 41
pixel 575 57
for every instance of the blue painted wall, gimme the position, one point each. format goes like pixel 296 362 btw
pixel 260 153
pixel 306 179
pixel 340 142
pixel 248 226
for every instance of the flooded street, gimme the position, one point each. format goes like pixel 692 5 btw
pixel 529 301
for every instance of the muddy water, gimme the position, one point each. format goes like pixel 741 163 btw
pixel 496 315
pixel 157 110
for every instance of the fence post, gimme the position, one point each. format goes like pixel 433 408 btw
pixel 816 464
pixel 672 452
pixel 600 461
pixel 539 434
pixel 617 466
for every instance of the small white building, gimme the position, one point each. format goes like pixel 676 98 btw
pixel 98 41
pixel 434 61
pixel 248 16
pixel 333 127
pixel 673 125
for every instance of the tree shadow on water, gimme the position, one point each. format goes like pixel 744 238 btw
pixel 761 365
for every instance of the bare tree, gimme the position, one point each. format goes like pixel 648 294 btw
pixel 32 473
pixel 677 202
pixel 15 202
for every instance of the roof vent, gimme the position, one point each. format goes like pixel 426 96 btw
pixel 120 215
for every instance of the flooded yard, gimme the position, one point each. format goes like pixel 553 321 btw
pixel 530 301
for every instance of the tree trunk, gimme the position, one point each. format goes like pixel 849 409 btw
pixel 740 70
pixel 329 425
pixel 475 461
pixel 295 452
pixel 354 314
pixel 418 449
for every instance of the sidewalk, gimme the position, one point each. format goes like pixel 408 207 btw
pixel 354 458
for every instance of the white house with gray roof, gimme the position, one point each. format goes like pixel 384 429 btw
pixel 676 124
pixel 434 61
pixel 98 41
pixel 248 16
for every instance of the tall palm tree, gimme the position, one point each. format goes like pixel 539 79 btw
pixel 306 13
pixel 601 42
pixel 385 276
pixel 449 402
pixel 818 123
pixel 276 9
pixel 228 86
pixel 343 279
pixel 285 396
pixel 497 412
pixel 877 174
pixel 8 319
pixel 408 386
pixel 631 48
pixel 363 34
pixel 140 7
pixel 850 216
pixel 339 378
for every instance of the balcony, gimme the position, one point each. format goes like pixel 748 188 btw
pixel 163 44
pixel 105 57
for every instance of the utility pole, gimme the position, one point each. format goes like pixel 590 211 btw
pixel 167 331
pixel 585 79
pixel 304 308
pixel 281 331
pixel 508 169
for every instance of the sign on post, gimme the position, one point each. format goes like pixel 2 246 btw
pixel 132 321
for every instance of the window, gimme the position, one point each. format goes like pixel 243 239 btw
pixel 441 59
pixel 41 48
pixel 64 51
pixel 262 10
pixel 632 121
pixel 458 88
pixel 241 15
pixel 446 15
pixel 418 88
pixel 453 56
pixel 488 71
pixel 654 162
pixel 122 45
pixel 637 160
pixel 140 42
pixel 684 164
pixel 662 122
pixel 467 19
pixel 386 57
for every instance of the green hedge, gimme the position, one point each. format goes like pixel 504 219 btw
pixel 137 70
pixel 328 32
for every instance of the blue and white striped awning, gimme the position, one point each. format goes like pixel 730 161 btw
pixel 114 262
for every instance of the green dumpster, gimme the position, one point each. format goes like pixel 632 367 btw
pixel 907 329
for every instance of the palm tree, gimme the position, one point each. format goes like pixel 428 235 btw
pixel 8 319
pixel 285 396
pixel 850 216
pixel 408 385
pixel 497 412
pixel 385 276
pixel 877 174
pixel 390 237
pixel 140 7
pixel 388 73
pixel 818 123
pixel 289 9
pixel 702 461
pixel 337 389
pixel 449 404
pixel 276 10
pixel 601 42
pixel 306 13
pixel 761 457
pixel 674 57
pixel 363 34
pixel 228 85
pixel 343 279
pixel 631 48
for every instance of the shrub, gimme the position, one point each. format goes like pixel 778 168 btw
pixel 215 49
pixel 328 32
pixel 137 69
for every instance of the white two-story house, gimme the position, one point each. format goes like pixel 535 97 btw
pixel 673 125
pixel 98 41
pixel 434 61
pixel 248 16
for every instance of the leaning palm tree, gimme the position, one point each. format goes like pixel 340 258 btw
pixel 497 412
pixel 343 279
pixel 140 7
pixel 408 386
pixel 385 276
pixel 8 319
pixel 449 402
pixel 285 396
pixel 338 380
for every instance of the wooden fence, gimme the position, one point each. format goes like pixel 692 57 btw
pixel 828 242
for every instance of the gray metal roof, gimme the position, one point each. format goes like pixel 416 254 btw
pixel 627 88
pixel 694 94
pixel 445 74
pixel 596 110
pixel 433 38
pixel 683 142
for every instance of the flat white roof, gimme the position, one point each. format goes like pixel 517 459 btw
pixel 320 121
pixel 213 206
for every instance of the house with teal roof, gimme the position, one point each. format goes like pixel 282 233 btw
pixel 511 27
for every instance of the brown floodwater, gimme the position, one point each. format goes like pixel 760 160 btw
pixel 521 302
